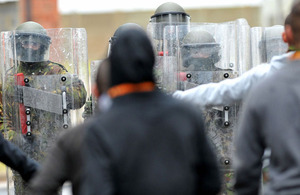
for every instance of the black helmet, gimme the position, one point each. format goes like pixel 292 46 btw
pixel 31 42
pixel 200 49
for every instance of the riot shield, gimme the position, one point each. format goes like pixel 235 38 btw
pixel 45 87
pixel 266 42
pixel 90 106
pixel 160 34
pixel 243 45
pixel 210 52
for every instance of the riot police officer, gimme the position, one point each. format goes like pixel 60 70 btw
pixel 39 94
pixel 166 14
pixel 161 28
pixel 199 51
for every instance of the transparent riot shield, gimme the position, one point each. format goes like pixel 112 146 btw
pixel 242 29
pixel 44 89
pixel 266 42
pixel 91 104
pixel 160 34
pixel 210 52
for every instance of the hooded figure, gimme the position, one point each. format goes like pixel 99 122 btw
pixel 132 60
pixel 147 142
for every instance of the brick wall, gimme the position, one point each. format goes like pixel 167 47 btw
pixel 44 12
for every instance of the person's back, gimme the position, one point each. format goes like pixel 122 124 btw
pixel 153 148
pixel 271 120
pixel 147 142
pixel 281 133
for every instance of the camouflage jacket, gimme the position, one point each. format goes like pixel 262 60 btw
pixel 75 90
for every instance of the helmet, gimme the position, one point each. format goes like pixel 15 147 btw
pixel 31 42
pixel 272 43
pixel 119 31
pixel 200 49
pixel 171 13
pixel 167 14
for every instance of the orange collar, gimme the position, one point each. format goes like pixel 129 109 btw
pixel 126 88
pixel 296 56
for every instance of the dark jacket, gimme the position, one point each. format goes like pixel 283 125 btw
pixel 13 157
pixel 149 143
pixel 63 163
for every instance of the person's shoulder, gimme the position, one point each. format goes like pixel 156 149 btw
pixel 74 134
pixel 281 58
pixel 265 88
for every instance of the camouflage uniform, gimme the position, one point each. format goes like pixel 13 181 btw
pixel 45 125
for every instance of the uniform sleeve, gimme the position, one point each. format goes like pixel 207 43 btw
pixel 1 110
pixel 225 92
pixel 13 157
pixel 7 117
pixel 78 93
pixel 249 148
pixel 54 171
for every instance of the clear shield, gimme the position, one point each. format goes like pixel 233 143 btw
pixel 243 46
pixel 90 106
pixel 42 96
pixel 210 52
pixel 266 42
pixel 159 34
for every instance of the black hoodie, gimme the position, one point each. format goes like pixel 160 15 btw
pixel 132 58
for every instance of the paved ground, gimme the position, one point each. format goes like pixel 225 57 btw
pixel 3 189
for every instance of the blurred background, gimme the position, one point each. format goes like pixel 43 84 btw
pixel 102 19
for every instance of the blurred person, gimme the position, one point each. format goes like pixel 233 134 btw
pixel 64 161
pixel 147 142
pixel 118 32
pixel 271 120
pixel 101 86
pixel 91 105
pixel 231 91
pixel 13 157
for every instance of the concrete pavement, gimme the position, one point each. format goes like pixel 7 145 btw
pixel 3 189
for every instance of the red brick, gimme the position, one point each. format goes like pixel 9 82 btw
pixel 44 12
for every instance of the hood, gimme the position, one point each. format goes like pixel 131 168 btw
pixel 132 58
